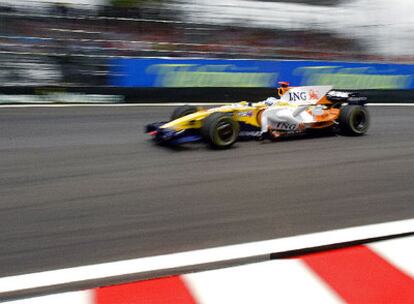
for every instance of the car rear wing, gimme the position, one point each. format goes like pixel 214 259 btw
pixel 352 98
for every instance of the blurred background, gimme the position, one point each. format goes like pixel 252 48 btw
pixel 73 42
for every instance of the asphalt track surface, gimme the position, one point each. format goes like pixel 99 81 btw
pixel 83 185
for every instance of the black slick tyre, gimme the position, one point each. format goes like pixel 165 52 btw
pixel 354 120
pixel 182 111
pixel 220 130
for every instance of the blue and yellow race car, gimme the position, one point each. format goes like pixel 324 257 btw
pixel 222 126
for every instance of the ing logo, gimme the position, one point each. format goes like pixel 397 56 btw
pixel 295 96
pixel 313 94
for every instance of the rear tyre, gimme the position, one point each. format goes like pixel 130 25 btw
pixel 354 120
pixel 183 111
pixel 220 130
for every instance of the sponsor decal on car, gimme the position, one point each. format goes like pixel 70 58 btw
pixel 297 96
pixel 245 114
pixel 305 94
pixel 314 94
pixel 285 126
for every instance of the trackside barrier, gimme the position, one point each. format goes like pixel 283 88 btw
pixel 378 272
pixel 73 95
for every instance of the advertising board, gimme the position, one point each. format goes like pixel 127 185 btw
pixel 182 73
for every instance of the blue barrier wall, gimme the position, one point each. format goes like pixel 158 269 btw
pixel 175 72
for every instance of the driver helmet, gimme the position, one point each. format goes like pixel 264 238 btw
pixel 283 88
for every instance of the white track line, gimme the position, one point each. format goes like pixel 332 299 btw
pixel 202 256
pixel 175 104
pixel 390 104
pixel 76 297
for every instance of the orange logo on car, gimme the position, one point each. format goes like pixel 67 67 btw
pixel 313 95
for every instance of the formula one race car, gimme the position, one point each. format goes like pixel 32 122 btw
pixel 316 107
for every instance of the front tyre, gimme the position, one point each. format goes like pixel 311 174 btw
pixel 354 120
pixel 220 130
